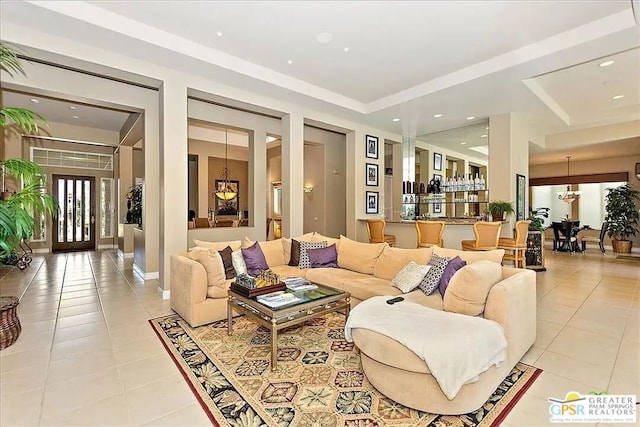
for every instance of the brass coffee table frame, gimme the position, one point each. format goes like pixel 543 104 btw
pixel 275 320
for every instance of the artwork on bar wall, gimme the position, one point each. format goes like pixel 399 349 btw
pixel 371 143
pixel 227 207
pixel 371 198
pixel 437 208
pixel 372 175
pixel 437 161
pixel 521 192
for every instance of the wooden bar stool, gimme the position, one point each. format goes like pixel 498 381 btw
pixel 487 234
pixel 375 227
pixel 516 248
pixel 430 233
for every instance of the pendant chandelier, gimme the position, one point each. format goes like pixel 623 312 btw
pixel 225 191
pixel 569 196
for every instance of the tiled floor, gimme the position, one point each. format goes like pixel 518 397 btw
pixel 87 355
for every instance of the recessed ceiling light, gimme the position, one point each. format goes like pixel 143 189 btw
pixel 289 62
pixel 437 116
pixel 396 120
pixel 470 118
pixel 617 97
pixel 606 63
pixel 487 128
pixel 324 37
pixel 219 33
pixel 483 136
pixel 346 49
pixel 463 143
pixel 35 101
pixel 72 107
pixel 76 117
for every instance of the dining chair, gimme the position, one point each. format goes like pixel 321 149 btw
pixel 516 247
pixel 430 233
pixel 487 234
pixel 593 239
pixel 375 228
pixel 201 222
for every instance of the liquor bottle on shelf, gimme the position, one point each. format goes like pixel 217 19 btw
pixel 482 183
pixel 476 183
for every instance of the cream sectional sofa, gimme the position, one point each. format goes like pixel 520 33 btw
pixel 365 271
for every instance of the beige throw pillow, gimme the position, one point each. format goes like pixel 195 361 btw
pixel 273 252
pixel 218 246
pixel 393 259
pixel 469 287
pixel 330 240
pixel 212 263
pixel 357 256
pixel 410 276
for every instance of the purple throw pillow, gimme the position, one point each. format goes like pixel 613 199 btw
pixel 454 265
pixel 323 257
pixel 255 260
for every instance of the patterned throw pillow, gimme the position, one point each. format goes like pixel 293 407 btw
pixel 432 279
pixel 239 265
pixel 410 276
pixel 304 257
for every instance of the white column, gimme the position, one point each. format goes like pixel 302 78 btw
pixel 257 172
pixel 292 175
pixel 125 178
pixel 173 175
pixel 203 188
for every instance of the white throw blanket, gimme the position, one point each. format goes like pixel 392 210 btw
pixel 457 348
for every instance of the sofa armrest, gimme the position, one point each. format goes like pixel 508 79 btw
pixel 188 285
pixel 512 303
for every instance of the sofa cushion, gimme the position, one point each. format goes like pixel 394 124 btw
pixel 410 276
pixel 285 271
pixel 227 261
pixel 432 278
pixel 432 301
pixel 304 256
pixel 212 263
pixel 332 277
pixel 471 256
pixel 323 257
pixel 393 259
pixel 254 259
pixel 219 291
pixel 370 287
pixel 273 252
pixel 317 237
pixel 357 256
pixel 218 246
pixel 469 287
pixel 452 267
pixel 239 266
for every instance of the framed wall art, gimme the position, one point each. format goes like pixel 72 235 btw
pixel 371 200
pixel 371 144
pixel 372 174
pixel 521 193
pixel 437 161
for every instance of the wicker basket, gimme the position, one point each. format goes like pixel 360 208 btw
pixel 9 323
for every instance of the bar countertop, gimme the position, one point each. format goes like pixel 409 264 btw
pixel 447 221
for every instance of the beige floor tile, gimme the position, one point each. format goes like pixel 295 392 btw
pixel 78 294
pixel 612 326
pixel 24 379
pixel 72 302
pixel 139 350
pixel 551 385
pixel 37 341
pixel 555 313
pixel 79 319
pixel 189 416
pixel 112 411
pixel 545 333
pixel 38 315
pixel 82 365
pixel 21 409
pixel 79 309
pixel 585 345
pixel 532 355
pixel 96 344
pixel 628 358
pixel 40 326
pixel 79 331
pixel 145 371
pixel 125 334
pixel 594 375
pixel 66 396
pixel 529 412
pixel 159 398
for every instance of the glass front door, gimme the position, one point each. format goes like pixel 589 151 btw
pixel 74 225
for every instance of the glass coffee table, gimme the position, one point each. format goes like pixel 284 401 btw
pixel 308 305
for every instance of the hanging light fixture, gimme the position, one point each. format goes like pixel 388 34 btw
pixel 569 196
pixel 225 192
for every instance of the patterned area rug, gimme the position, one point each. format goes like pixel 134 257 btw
pixel 318 380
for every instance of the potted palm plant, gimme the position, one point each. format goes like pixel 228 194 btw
pixel 18 206
pixel 499 209
pixel 622 216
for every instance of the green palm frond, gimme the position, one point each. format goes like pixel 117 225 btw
pixel 23 169
pixel 26 119
pixel 9 60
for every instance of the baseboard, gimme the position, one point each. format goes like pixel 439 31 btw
pixel 123 255
pixel 41 251
pixel 138 270
pixel 164 293
pixel 152 275
pixel 107 247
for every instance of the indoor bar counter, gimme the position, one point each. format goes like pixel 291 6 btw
pixel 455 231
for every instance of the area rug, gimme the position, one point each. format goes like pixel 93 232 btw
pixel 318 380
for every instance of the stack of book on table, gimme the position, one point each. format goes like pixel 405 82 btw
pixel 297 284
pixel 277 299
